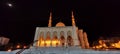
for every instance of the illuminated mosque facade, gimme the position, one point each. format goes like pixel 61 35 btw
pixel 60 35
pixel 60 39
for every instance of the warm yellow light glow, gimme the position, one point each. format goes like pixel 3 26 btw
pixel 18 46
pixel 58 42
pixel 38 43
pixel 97 46
pixel 55 43
pixel 112 44
pixel 100 46
pixel 93 47
pixel 100 42
pixel 9 50
pixel 42 43
pixel 118 41
pixel 117 45
pixel 104 45
pixel 48 43
pixel 24 46
pixel 60 24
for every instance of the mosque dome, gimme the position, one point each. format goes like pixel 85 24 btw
pixel 60 24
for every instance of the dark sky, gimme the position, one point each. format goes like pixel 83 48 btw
pixel 96 17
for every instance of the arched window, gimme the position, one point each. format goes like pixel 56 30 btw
pixel 69 38
pixel 41 40
pixel 62 38
pixel 69 41
pixel 48 40
pixel 55 41
pixel 48 33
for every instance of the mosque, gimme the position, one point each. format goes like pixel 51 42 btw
pixel 60 39
pixel 61 35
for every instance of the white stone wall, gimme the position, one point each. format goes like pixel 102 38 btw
pixel 58 30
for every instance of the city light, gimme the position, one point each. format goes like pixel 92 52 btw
pixel 9 4
pixel 24 47
pixel 9 50
pixel 18 46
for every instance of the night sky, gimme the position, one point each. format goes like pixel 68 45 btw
pixel 96 17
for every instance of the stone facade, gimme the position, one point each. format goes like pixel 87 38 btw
pixel 60 35
pixel 58 32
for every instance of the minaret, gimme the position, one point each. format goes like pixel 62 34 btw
pixel 50 20
pixel 73 19
pixel 85 40
pixel 82 43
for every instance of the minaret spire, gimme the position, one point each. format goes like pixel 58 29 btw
pixel 50 20
pixel 73 20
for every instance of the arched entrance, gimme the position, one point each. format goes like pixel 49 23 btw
pixel 48 40
pixel 41 41
pixel 69 41
pixel 62 38
pixel 55 41
pixel 62 41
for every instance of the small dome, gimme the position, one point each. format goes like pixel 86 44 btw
pixel 60 24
